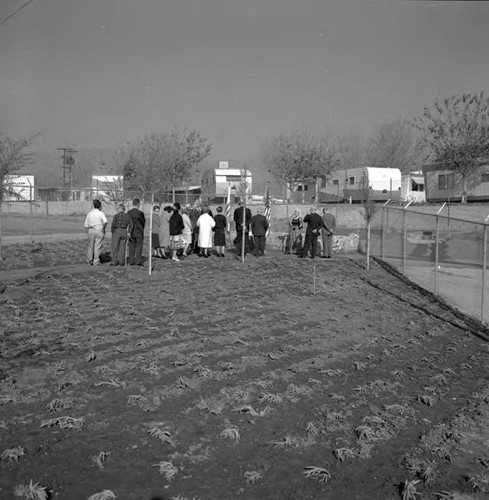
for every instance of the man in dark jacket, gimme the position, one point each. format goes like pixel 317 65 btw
pixel 259 228
pixel 138 222
pixel 329 227
pixel 314 225
pixel 238 219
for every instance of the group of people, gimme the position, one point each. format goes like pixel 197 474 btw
pixel 177 233
pixel 316 226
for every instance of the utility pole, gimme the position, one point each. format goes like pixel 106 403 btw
pixel 68 162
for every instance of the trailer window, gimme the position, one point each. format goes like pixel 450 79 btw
pixel 444 180
pixel 416 186
pixel 351 181
pixel 485 177
pixel 336 182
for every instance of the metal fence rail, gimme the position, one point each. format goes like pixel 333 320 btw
pixel 445 255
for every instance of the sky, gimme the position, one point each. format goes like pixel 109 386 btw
pixel 97 73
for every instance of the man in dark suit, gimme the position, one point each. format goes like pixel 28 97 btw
pixel 329 227
pixel 238 219
pixel 259 228
pixel 138 222
pixel 314 225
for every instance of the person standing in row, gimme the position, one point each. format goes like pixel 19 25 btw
pixel 238 219
pixel 314 225
pixel 259 228
pixel 205 223
pixel 295 232
pixel 121 226
pixel 155 233
pixel 138 223
pixel 329 227
pixel 165 230
pixel 176 229
pixel 95 224
pixel 187 230
pixel 220 232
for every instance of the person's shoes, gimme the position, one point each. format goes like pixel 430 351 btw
pixel 97 264
pixel 206 255
pixel 122 265
pixel 176 259
pixel 201 254
pixel 300 257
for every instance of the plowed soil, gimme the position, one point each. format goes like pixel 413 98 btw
pixel 277 379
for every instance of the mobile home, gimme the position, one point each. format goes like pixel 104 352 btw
pixel 352 184
pixel 412 187
pixel 447 185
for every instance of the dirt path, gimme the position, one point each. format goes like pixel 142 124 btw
pixel 216 379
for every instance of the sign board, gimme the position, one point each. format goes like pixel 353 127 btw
pixel 223 164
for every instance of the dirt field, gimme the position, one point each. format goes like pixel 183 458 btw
pixel 214 379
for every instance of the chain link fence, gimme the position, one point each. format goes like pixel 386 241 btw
pixel 445 255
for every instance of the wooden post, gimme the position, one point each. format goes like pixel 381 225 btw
pixel 150 249
pixel 368 245
pixel 437 235
pixel 484 266
pixel 243 221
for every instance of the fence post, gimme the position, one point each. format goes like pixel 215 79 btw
pixel 404 238
pixel 484 265
pixel 384 209
pixel 437 234
pixel 437 237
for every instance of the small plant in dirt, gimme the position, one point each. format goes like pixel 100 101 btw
pixel 358 365
pixel 231 433
pixel 251 411
pixel 409 490
pixel 439 379
pixel 286 442
pixel 103 495
pixel 479 482
pixel 64 422
pixel 99 459
pixel 252 476
pixel 31 491
pixel 427 399
pixel 138 400
pixel 13 454
pixel 318 473
pixel 429 474
pixel 163 435
pixel 270 398
pixel 343 454
pixel 365 433
pixel 60 404
pixel 113 382
pixel 312 429
pixel 167 469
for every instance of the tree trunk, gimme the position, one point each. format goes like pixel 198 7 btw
pixel 464 188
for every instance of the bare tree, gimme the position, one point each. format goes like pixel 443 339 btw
pixel 13 158
pixel 299 157
pixel 455 134
pixel 350 149
pixel 392 145
pixel 162 162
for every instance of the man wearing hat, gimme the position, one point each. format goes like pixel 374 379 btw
pixel 120 228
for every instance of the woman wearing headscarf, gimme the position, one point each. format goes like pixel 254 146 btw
pixel 205 223
pixel 295 232
pixel 165 230
pixel 176 228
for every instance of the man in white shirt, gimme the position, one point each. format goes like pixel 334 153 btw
pixel 95 223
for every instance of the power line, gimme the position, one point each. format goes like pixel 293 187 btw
pixel 10 16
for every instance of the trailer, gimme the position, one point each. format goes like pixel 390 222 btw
pixel 356 185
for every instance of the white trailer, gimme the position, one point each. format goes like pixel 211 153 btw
pixel 356 184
